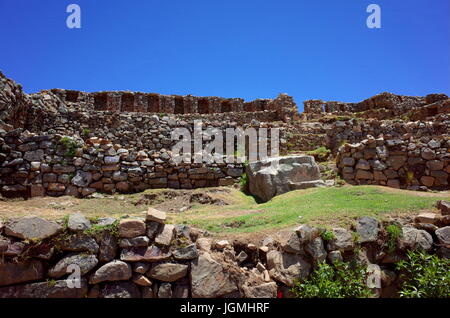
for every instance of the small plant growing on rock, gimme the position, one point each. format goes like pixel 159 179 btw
pixel 394 233
pixel 69 145
pixel 343 280
pixel 95 229
pixel 424 276
pixel 320 154
pixel 327 235
pixel 86 132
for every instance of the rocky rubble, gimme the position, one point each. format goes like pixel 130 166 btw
pixel 128 260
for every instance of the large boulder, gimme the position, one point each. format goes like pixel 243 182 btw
pixel 274 176
pixel 286 267
pixel 415 239
pixel 209 279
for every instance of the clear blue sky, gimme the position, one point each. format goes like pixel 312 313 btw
pixel 319 49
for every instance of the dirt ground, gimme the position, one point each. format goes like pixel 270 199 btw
pixel 174 202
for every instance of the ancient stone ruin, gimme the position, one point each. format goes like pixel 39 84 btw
pixel 64 142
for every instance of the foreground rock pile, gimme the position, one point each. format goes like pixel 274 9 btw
pixel 407 162
pixel 149 258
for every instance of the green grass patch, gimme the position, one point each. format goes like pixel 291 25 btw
pixel 317 204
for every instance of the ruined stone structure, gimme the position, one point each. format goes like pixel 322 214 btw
pixel 382 106
pixel 121 141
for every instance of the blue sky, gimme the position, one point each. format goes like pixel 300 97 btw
pixel 318 49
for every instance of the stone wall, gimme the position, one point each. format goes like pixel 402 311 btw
pixel 148 258
pixel 407 162
pixel 355 130
pixel 38 165
pixel 381 106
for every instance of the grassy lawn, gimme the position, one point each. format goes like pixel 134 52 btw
pixel 336 206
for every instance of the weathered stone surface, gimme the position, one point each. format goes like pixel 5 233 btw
pixel 144 254
pixel 209 279
pixel 138 241
pixel 154 215
pixel 35 155
pixel 113 271
pixel 367 229
pixel 427 217
pixel 82 178
pixel 266 290
pixel 168 272
pixel 141 268
pixel 58 289
pixel 165 236
pixel 342 240
pixel 85 262
pixel 12 249
pixel 186 253
pixel 141 280
pixel 30 228
pixel 79 243
pixel 305 233
pixel 131 228
pixel 165 290
pixel 120 290
pixel 444 207
pixel 275 176
pixel 181 289
pixel 415 239
pixel 16 273
pixel 77 222
pixel 107 247
pixel 335 256
pixel 316 249
pixel 286 267
pixel 443 235
pixel 292 244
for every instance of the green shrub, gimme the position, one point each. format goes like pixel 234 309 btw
pixel 243 182
pixel 424 276
pixel 327 235
pixel 394 232
pixel 343 280
pixel 86 131
pixel 95 229
pixel 320 153
pixel 69 145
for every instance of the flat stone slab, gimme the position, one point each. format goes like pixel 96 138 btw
pixel 16 273
pixel 32 228
pixel 154 215
pixel 144 254
pixel 58 289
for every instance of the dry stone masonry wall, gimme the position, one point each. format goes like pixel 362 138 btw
pixel 149 258
pixel 407 162
pixel 38 165
pixel 137 127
